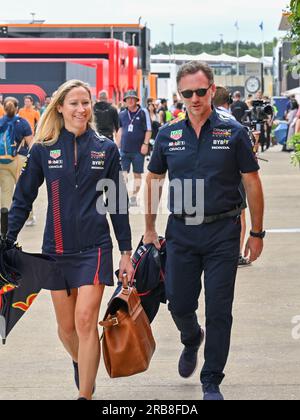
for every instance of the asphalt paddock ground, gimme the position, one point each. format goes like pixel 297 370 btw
pixel 264 358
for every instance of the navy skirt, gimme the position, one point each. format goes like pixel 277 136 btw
pixel 94 266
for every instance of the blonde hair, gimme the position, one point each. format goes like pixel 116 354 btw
pixel 11 106
pixel 52 121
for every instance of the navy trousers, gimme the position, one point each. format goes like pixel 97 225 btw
pixel 212 249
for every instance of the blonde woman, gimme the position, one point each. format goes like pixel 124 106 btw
pixel 17 130
pixel 72 158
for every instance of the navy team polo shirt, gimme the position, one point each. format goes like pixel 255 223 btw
pixel 21 129
pixel 223 151
pixel 132 141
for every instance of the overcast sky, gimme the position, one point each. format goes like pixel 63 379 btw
pixel 194 20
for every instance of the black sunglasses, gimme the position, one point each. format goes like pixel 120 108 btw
pixel 188 94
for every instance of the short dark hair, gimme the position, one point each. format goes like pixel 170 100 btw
pixel 192 67
pixel 29 97
pixel 294 104
pixel 150 101
pixel 222 96
pixel 179 106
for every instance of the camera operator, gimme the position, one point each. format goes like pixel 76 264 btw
pixel 238 107
pixel 258 119
pixel 269 123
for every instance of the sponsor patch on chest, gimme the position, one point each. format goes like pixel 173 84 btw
pixel 176 134
pixel 221 139
pixel 98 160
pixel 55 154
pixel 55 162
pixel 98 155
pixel 220 132
pixel 178 145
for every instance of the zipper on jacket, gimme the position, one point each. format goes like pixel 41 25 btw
pixel 76 161
pixel 76 169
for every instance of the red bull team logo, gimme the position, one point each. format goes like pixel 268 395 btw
pixel 24 306
pixel 224 133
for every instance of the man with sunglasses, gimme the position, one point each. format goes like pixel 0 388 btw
pixel 210 146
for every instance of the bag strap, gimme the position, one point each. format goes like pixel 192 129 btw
pixel 21 144
pixel 112 321
pixel 130 297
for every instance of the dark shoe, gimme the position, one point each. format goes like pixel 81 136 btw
pixel 211 392
pixel 188 359
pixel 81 398
pixel 76 374
pixel 76 377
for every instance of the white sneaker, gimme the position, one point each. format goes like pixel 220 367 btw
pixel 31 221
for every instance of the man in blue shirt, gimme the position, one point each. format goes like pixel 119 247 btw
pixel 10 169
pixel 210 146
pixel 133 139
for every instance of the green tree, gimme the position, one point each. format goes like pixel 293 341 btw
pixel 295 23
pixel 214 48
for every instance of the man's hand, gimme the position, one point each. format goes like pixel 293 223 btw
pixel 144 149
pixel 151 237
pixel 254 247
pixel 126 267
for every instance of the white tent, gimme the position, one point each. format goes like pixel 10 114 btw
pixel 295 92
pixel 290 92
pixel 210 58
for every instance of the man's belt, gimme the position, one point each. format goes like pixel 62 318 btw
pixel 212 218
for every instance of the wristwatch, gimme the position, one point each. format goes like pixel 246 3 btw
pixel 259 235
pixel 126 253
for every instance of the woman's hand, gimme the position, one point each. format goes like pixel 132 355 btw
pixel 126 267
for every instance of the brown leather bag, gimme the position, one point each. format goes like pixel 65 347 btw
pixel 128 344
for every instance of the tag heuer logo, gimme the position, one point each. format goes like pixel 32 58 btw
pixel 176 135
pixel 55 154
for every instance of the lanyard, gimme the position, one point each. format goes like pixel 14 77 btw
pixel 131 120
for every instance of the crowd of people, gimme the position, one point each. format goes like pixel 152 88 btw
pixel 292 117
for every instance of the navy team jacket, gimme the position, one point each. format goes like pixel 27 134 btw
pixel 72 168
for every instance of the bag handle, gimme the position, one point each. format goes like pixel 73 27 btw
pixel 125 281
pixel 129 295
